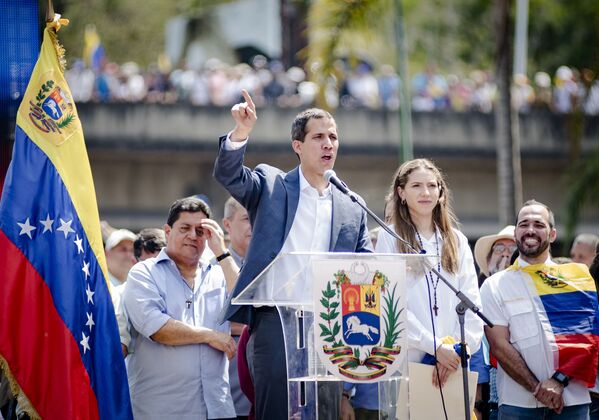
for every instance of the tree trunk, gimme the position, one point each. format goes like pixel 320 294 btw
pixel 506 121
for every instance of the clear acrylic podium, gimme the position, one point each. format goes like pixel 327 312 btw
pixel 294 283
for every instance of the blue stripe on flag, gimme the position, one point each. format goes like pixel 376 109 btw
pixel 580 316
pixel 38 192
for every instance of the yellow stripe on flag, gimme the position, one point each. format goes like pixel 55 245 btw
pixel 563 278
pixel 55 128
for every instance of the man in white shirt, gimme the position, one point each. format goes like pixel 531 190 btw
pixel 119 255
pixel 293 211
pixel 529 383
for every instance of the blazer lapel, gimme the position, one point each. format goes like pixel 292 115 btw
pixel 293 191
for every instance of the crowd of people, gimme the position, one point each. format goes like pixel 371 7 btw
pixel 191 353
pixel 361 85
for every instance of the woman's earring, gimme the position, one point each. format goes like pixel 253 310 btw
pixel 403 201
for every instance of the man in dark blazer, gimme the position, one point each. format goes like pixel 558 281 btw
pixel 294 211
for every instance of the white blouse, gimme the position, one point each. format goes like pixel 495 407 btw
pixel 420 327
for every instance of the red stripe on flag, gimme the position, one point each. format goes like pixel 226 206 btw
pixel 39 348
pixel 578 356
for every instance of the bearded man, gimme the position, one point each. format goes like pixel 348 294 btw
pixel 545 336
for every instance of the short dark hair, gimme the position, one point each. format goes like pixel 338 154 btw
pixel 150 240
pixel 187 204
pixel 298 127
pixel 534 202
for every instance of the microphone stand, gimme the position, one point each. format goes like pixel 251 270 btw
pixel 461 308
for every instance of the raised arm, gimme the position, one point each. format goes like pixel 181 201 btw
pixel 215 239
pixel 245 117
pixel 241 182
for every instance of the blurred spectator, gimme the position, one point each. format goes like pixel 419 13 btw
pixel 484 93
pixel 523 94
pixel 543 98
pixel 591 102
pixel 81 81
pixel 148 243
pixel 119 255
pixel 361 85
pixel 584 248
pixel 565 92
pixel 389 87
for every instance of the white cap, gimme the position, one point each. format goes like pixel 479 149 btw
pixel 117 237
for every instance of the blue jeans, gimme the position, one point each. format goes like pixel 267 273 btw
pixel 572 412
pixel 594 410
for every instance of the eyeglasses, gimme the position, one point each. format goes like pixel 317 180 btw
pixel 500 248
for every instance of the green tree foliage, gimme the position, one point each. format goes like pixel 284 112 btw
pixel 559 33
pixel 130 30
pixel 563 33
pixel 455 35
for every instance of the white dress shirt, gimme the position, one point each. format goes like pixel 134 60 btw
pixel 310 232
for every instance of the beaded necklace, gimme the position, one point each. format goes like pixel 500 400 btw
pixel 429 275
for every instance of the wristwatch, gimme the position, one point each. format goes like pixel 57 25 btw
pixel 223 256
pixel 561 378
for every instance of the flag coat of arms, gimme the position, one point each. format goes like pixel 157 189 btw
pixel 360 319
pixel 59 341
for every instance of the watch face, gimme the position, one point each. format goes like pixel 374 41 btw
pixel 561 378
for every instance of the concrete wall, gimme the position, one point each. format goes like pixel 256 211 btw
pixel 145 156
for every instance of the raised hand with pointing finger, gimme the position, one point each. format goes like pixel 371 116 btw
pixel 244 114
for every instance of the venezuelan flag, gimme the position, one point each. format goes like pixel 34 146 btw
pixel 59 341
pixel 93 51
pixel 568 311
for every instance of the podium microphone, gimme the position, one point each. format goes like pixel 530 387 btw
pixel 331 176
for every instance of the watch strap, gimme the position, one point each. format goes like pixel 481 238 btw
pixel 223 256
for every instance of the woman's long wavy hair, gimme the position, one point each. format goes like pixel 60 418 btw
pixel 443 216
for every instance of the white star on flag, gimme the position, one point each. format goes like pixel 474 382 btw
pixel 79 243
pixel 85 343
pixel 65 227
pixel 90 320
pixel 47 224
pixel 90 295
pixel 85 269
pixel 26 228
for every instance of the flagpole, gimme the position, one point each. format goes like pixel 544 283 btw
pixel 50 12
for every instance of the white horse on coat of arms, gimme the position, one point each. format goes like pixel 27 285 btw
pixel 354 326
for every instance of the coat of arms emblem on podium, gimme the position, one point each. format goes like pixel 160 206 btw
pixel 361 323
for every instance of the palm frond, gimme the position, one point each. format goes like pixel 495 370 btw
pixel 349 28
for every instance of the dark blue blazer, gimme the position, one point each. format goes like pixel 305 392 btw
pixel 271 197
